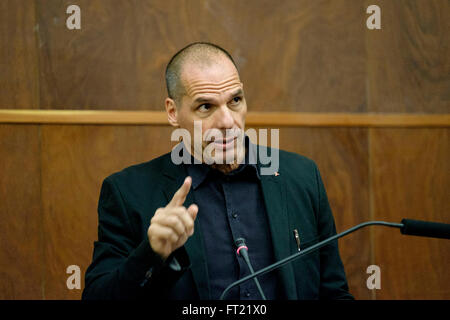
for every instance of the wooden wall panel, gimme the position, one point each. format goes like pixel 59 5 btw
pixel 342 158
pixel 75 160
pixel 295 56
pixel 21 243
pixel 111 63
pixel 411 179
pixel 18 55
pixel 409 58
pixel 298 55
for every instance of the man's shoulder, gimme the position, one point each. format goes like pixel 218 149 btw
pixel 298 171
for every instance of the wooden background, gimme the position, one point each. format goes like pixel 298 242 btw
pixel 294 56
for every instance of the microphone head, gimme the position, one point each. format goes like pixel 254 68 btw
pixel 240 244
pixel 425 228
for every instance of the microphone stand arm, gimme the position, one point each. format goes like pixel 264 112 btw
pixel 306 251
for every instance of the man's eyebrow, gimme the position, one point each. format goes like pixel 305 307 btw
pixel 202 99
pixel 206 99
pixel 237 92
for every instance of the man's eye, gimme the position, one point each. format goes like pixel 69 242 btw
pixel 204 107
pixel 236 100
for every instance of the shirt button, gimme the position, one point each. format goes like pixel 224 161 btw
pixel 234 215
pixel 247 294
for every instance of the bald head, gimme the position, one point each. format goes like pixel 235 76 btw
pixel 199 54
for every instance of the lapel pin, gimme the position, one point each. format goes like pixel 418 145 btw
pixel 276 174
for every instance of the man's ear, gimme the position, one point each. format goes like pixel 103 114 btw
pixel 172 114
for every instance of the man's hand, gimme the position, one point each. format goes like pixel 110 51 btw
pixel 171 226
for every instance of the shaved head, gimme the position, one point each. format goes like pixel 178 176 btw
pixel 200 54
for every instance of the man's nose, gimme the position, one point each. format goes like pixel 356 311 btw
pixel 224 118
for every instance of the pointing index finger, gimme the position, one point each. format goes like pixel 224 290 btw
pixel 180 196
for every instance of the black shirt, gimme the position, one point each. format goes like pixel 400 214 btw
pixel 232 206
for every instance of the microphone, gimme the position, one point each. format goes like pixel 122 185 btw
pixel 425 228
pixel 242 251
pixel 407 227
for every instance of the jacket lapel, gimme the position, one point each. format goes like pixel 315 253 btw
pixel 274 192
pixel 175 175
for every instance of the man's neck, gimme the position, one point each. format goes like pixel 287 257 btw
pixel 225 168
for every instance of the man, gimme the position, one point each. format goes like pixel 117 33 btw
pixel 167 230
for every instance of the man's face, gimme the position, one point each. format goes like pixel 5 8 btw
pixel 214 95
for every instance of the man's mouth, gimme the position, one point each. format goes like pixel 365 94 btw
pixel 224 143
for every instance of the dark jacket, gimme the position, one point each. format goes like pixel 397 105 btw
pixel 125 267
